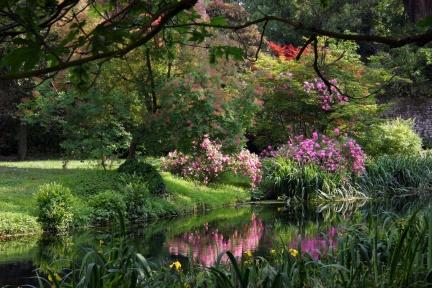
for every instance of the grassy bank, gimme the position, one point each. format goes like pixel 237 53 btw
pixel 19 182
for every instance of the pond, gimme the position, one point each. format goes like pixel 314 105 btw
pixel 256 229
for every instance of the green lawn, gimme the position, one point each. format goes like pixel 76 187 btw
pixel 20 180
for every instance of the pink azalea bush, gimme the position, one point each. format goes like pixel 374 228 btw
pixel 247 164
pixel 327 99
pixel 207 162
pixel 332 154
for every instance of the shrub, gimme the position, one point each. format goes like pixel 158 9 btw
pixel 106 206
pixel 207 163
pixel 135 192
pixel 393 137
pixel 332 154
pixel 327 99
pixel 17 224
pixel 147 172
pixel 55 208
pixel 248 165
pixel 81 212
pixel 397 174
pixel 286 177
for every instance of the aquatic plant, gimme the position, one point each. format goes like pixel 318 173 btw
pixel 385 253
pixel 398 174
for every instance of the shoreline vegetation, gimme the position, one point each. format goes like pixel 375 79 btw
pixel 21 180
pixel 93 188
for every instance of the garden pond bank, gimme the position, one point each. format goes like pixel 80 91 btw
pixel 257 229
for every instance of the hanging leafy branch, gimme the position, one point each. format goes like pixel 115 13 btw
pixel 40 38
pixel 26 29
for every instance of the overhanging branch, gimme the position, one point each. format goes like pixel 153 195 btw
pixel 163 17
pixel 418 39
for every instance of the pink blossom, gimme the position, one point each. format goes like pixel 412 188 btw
pixel 331 154
pixel 327 99
pixel 207 162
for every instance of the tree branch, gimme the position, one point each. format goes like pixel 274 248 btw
pixel 418 39
pixel 163 16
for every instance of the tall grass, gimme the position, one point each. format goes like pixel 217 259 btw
pixel 398 175
pixel 386 252
pixel 284 177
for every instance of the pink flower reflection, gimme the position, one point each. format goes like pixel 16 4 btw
pixel 317 245
pixel 205 246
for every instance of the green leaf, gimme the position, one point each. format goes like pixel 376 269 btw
pixel 325 3
pixel 228 51
pixel 199 35
pixel 25 56
pixel 219 21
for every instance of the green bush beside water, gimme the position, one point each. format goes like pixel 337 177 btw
pixel 285 177
pixel 105 207
pixel 13 225
pixel 393 137
pixel 55 207
pixel 148 172
pixel 398 174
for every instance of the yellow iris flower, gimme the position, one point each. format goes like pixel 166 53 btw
pixel 293 252
pixel 176 265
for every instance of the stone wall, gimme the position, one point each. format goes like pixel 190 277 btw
pixel 418 108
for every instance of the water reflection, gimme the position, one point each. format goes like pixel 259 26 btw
pixel 205 246
pixel 259 229
pixel 317 245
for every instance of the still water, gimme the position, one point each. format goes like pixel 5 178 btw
pixel 253 229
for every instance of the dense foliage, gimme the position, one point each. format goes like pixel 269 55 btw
pixel 149 174
pixel 399 175
pixel 295 102
pixel 55 208
pixel 393 137
pixel 106 207
pixel 286 100
pixel 207 162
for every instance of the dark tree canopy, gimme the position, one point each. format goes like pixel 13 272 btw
pixel 40 38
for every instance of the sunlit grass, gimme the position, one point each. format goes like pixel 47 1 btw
pixel 19 181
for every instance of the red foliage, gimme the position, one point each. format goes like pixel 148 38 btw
pixel 288 51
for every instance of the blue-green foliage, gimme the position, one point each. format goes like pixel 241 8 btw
pixel 55 208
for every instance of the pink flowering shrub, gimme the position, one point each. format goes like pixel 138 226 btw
pixel 268 152
pixel 207 162
pixel 327 99
pixel 332 154
pixel 247 164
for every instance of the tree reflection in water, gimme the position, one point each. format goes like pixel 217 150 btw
pixel 205 246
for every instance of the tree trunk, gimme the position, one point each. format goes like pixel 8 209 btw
pixel 22 140
pixel 418 9
pixel 132 149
